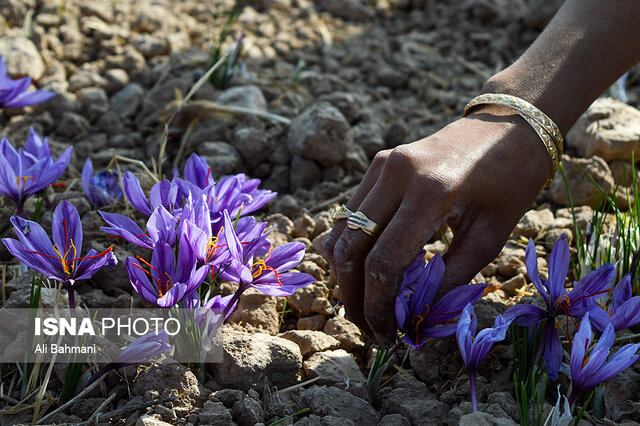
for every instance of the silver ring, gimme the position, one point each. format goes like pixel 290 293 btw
pixel 341 212
pixel 359 220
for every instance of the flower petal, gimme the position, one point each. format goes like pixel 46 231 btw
pixel 67 230
pixel 135 194
pixel 531 259
pixel 126 228
pixel 286 256
pixel 526 315
pixel 552 350
pixel 558 268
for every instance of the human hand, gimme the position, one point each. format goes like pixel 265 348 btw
pixel 479 174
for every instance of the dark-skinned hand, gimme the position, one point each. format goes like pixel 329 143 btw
pixel 479 174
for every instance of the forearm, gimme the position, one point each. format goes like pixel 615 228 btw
pixel 583 50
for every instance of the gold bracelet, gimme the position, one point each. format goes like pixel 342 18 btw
pixel 546 129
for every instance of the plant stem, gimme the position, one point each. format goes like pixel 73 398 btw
pixel 72 300
pixel 472 385
pixel 235 298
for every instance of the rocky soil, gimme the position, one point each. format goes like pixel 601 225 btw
pixel 351 77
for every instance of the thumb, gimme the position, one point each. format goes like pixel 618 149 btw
pixel 470 251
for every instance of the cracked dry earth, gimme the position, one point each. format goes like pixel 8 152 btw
pixel 351 77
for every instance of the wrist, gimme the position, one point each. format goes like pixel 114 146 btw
pixel 512 81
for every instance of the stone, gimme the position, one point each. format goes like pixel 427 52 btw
pixel 253 144
pixel 511 258
pixel 554 234
pixel 301 300
pixel 313 269
pixel 349 104
pixel 314 323
pixel 127 100
pixel 310 341
pixel 257 311
pixel 582 189
pixel 540 12
pixel 333 367
pixel 303 226
pixel 533 222
pixel 352 10
pixel 101 9
pixel 619 395
pixel 85 78
pixel 321 305
pixel 223 158
pixel 346 332
pixel 369 136
pixel 511 286
pixel 93 100
pixel 248 412
pixel 322 134
pixel 215 414
pixel 608 129
pixel 169 377
pixel 324 401
pixel 484 419
pixel 249 96
pixel 227 396
pixel 394 420
pixel 437 358
pixel 148 420
pixel 282 223
pixel 115 79
pixel 21 56
pixel 304 173
pixel 72 125
pixel 413 400
pixel 152 18
pixel 250 358
pixel 150 45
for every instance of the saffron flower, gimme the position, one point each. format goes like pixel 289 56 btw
pixel 559 301
pixel 61 259
pixel 269 275
pixel 164 193
pixel 144 348
pixel 24 173
pixel 474 348
pixel 235 193
pixel 13 93
pixel 591 367
pixel 140 350
pixel 165 281
pixel 101 189
pixel 37 147
pixel 622 312
pixel 417 316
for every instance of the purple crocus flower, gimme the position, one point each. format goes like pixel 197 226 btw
pixel 622 312
pixel 417 316
pixel 61 259
pixel 166 281
pixel 13 93
pixel 144 348
pixel 235 193
pixel 590 370
pixel 23 173
pixel 559 301
pixel 269 275
pixel 474 348
pixel 38 147
pixel 169 194
pixel 102 189
pixel 140 350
